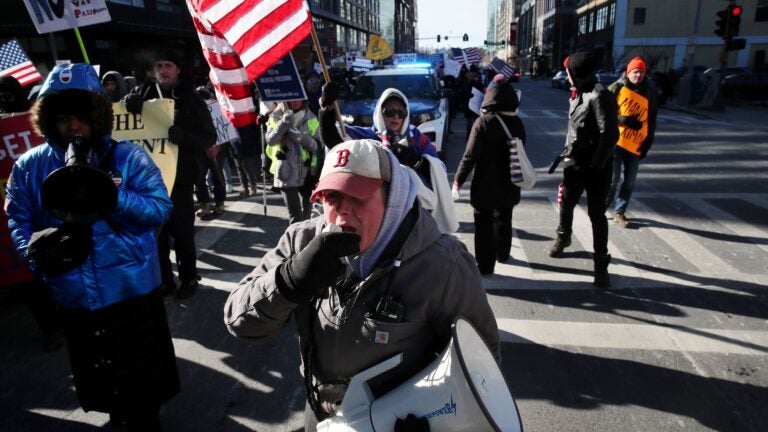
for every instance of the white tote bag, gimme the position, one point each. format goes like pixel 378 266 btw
pixel 520 168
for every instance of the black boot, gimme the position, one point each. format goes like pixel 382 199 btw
pixel 602 279
pixel 561 242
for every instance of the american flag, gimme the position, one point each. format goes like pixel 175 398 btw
pixel 458 55
pixel 499 66
pixel 227 73
pixel 473 55
pixel 14 62
pixel 261 32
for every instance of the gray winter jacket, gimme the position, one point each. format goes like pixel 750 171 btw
pixel 436 282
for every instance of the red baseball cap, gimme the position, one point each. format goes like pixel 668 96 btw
pixel 356 168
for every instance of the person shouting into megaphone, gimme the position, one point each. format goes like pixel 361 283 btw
pixel 370 278
pixel 98 256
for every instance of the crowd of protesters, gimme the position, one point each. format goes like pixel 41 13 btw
pixel 299 137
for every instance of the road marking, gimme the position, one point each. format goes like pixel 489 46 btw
pixel 633 336
pixel 730 221
pixel 694 252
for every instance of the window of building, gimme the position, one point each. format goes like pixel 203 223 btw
pixel 602 18
pixel 639 18
pixel 612 15
pixel 583 24
pixel 761 13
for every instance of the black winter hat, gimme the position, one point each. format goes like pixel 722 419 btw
pixel 581 66
pixel 171 55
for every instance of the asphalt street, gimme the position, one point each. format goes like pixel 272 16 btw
pixel 679 341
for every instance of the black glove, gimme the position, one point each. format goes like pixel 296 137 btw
pixel 411 423
pixel 176 134
pixel 306 274
pixel 59 250
pixel 329 135
pixel 631 122
pixel 133 103
pixel 280 155
pixel 407 155
pixel 263 119
pixel 329 94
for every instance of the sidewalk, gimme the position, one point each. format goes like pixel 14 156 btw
pixel 738 112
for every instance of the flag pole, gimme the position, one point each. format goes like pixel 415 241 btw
pixel 82 45
pixel 327 76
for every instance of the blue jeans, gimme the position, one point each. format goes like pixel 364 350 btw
pixel 625 164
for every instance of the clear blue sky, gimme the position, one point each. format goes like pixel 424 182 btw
pixel 452 18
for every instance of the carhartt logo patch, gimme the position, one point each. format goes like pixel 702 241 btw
pixel 381 337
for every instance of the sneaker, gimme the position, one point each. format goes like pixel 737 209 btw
pixel 219 209
pixel 187 289
pixel 620 219
pixel 204 209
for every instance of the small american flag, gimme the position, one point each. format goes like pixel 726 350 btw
pixel 473 55
pixel 458 55
pixel 499 66
pixel 261 32
pixel 14 62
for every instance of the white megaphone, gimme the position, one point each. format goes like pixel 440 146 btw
pixel 462 390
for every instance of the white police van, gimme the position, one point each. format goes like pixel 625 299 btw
pixel 427 103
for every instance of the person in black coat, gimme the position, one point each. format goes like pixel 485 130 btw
pixel 493 195
pixel 193 131
pixel 593 129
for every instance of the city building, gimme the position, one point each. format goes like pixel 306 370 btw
pixel 139 26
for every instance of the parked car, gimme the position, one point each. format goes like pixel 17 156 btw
pixel 715 72
pixel 560 80
pixel 747 86
pixel 427 102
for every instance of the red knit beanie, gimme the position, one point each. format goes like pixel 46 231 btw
pixel 636 63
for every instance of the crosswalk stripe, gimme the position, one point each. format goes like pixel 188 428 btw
pixel 633 336
pixel 705 260
pixel 738 226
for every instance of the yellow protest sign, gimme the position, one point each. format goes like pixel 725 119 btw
pixel 149 130
pixel 378 48
pixel 632 104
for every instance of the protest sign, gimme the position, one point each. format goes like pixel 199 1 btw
pixel 404 58
pixel 49 16
pixel 281 82
pixel 149 130
pixel 225 131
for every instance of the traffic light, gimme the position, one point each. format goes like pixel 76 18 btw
pixel 465 38
pixel 721 23
pixel 735 44
pixel 734 16
pixel 438 38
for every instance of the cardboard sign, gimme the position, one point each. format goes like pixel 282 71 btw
pixel 54 15
pixel 281 82
pixel 149 130
pixel 632 104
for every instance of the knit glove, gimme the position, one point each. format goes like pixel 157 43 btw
pixel 407 156
pixel 133 103
pixel 631 122
pixel 329 94
pixel 306 274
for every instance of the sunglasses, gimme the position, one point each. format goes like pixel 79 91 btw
pixel 391 112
